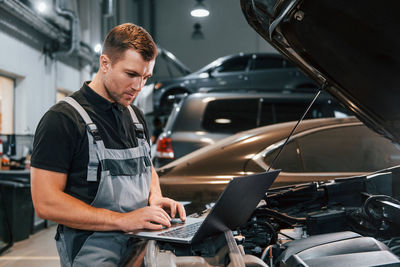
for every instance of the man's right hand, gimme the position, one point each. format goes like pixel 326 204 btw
pixel 150 217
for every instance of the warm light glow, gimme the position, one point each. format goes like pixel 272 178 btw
pixel 252 139
pixel 223 121
pixel 208 99
pixel 199 13
pixel 207 140
pixel 97 48
pixel 247 173
pixel 42 7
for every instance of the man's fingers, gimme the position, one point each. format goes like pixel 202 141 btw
pixel 159 215
pixel 164 213
pixel 181 211
pixel 172 207
pixel 153 226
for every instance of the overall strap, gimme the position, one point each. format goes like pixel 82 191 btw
pixel 94 139
pixel 138 126
pixel 133 115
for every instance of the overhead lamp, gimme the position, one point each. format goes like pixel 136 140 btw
pixel 42 7
pixel 97 48
pixel 199 10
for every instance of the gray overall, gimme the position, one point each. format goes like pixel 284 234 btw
pixel 124 186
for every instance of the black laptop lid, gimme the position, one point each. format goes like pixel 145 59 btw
pixel 236 204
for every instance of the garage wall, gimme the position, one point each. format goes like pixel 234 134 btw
pixel 36 81
pixel 226 31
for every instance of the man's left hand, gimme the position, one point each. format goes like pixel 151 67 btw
pixel 169 204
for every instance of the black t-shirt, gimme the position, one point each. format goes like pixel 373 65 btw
pixel 61 143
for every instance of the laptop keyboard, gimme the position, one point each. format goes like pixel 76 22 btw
pixel 183 232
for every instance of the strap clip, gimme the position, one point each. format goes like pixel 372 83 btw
pixel 92 129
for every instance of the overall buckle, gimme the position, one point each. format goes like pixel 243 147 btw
pixel 92 129
pixel 139 130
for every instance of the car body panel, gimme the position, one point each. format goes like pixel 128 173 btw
pixel 191 126
pixel 202 175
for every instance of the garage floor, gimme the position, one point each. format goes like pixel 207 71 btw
pixel 39 250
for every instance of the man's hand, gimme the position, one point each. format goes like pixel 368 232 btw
pixel 169 204
pixel 152 218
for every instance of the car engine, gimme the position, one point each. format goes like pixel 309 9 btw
pixel 348 221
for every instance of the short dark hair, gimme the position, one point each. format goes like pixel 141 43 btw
pixel 126 36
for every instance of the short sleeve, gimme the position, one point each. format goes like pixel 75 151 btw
pixel 54 142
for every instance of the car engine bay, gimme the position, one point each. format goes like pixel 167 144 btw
pixel 346 221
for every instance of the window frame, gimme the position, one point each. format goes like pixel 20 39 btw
pixel 214 70
pixel 14 81
pixel 254 58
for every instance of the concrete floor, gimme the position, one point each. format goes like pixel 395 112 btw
pixel 39 250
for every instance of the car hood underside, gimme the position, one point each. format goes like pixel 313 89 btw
pixel 350 48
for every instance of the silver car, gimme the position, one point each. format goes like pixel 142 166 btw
pixel 254 70
pixel 203 118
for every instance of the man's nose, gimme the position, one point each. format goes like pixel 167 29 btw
pixel 137 83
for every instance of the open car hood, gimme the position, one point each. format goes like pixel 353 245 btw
pixel 350 48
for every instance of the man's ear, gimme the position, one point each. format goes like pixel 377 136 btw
pixel 105 63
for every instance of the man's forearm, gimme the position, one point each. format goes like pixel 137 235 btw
pixel 155 190
pixel 69 211
pixel 52 203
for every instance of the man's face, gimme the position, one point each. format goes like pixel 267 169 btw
pixel 124 79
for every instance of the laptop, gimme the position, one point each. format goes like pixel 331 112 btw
pixel 233 208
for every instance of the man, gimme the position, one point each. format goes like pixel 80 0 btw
pixel 91 169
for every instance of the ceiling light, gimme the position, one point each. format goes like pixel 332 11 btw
pixel 97 48
pixel 199 10
pixel 42 7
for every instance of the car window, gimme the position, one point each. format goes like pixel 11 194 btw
pixel 342 149
pixel 291 111
pixel 230 116
pixel 266 62
pixel 289 159
pixel 233 64
pixel 287 64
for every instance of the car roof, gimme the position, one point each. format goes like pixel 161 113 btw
pixel 249 93
pixel 219 60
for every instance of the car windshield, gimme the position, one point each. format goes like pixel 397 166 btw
pixel 212 65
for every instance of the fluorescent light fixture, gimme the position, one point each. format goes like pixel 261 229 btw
pixel 199 10
pixel 97 48
pixel 42 7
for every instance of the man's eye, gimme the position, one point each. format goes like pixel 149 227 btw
pixel 131 74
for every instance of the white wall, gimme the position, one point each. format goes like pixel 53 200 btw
pixel 36 82
pixel 226 31
pixel 37 79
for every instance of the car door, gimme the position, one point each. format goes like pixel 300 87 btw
pixel 273 72
pixel 267 72
pixel 231 73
